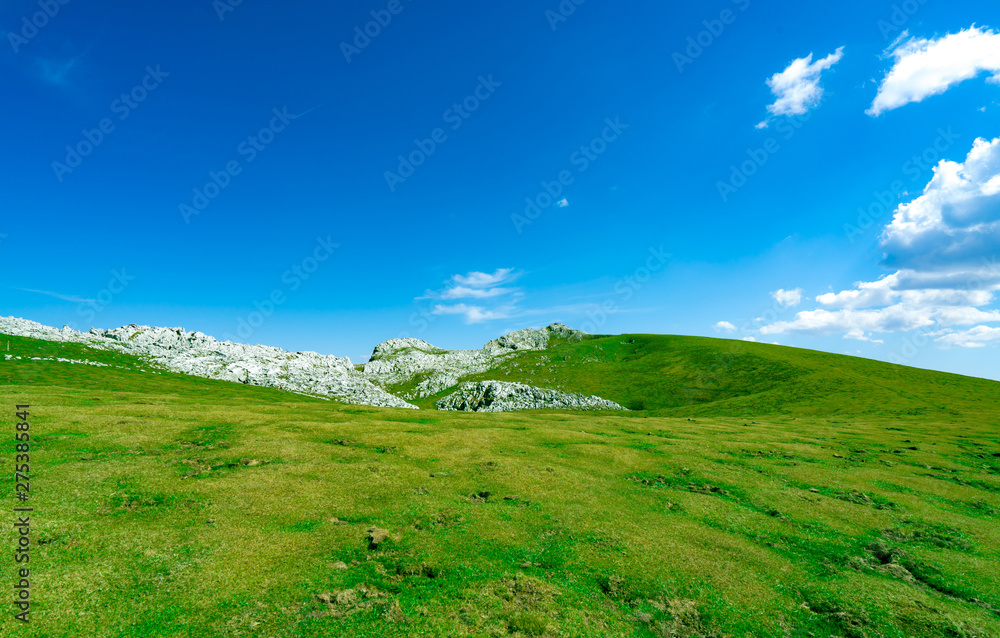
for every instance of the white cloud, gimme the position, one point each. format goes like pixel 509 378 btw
pixel 725 326
pixel 859 335
pixel 474 314
pixel 481 286
pixel 475 285
pixel 62 297
pixel 751 339
pixel 562 203
pixel 956 221
pixel 975 338
pixel 788 298
pixel 462 292
pixel 923 68
pixel 891 289
pixel 899 317
pixel 485 280
pixel 797 87
pixel 944 245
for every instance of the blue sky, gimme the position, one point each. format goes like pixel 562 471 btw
pixel 262 172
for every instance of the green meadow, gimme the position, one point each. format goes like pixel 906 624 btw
pixel 752 490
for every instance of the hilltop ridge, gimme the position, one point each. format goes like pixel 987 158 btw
pixel 393 363
pixel 557 367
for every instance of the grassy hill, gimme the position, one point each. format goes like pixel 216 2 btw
pixel 764 491
pixel 697 376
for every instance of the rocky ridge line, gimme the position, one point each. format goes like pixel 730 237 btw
pixel 394 362
pixel 200 355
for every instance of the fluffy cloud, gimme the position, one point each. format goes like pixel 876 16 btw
pixel 788 298
pixel 474 314
pixel 923 68
pixel 891 290
pixel 945 245
pixel 956 221
pixel 975 338
pixel 725 326
pixel 797 87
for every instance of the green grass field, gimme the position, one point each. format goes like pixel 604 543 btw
pixel 755 491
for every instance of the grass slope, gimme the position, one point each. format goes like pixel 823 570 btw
pixel 697 376
pixel 171 506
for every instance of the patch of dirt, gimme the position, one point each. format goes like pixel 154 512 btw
pixel 529 605
pixel 481 497
pixel 343 603
pixel 203 466
pixel 526 591
pixel 678 618
pixel 377 536
pixel 394 614
pixel 423 570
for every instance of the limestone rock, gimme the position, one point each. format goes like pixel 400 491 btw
pixel 393 362
pixel 501 396
pixel 400 360
pixel 200 355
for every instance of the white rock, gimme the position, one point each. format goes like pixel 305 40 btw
pixel 501 396
pixel 393 362
pixel 398 361
pixel 203 356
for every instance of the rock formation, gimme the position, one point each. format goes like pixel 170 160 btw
pixel 396 362
pixel 501 396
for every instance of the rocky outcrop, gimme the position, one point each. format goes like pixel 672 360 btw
pixel 396 347
pixel 201 355
pixel 397 362
pixel 501 396
pixel 532 339
pixel 400 361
